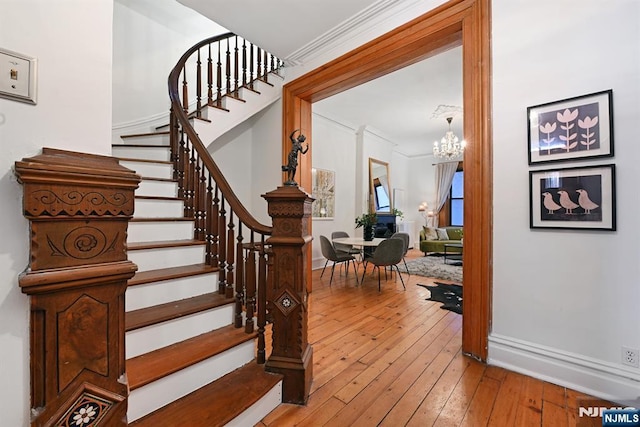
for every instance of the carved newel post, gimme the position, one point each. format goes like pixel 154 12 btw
pixel 78 206
pixel 291 354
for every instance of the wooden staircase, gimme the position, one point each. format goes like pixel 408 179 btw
pixel 187 360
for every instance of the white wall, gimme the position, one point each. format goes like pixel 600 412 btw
pixel 564 302
pixel 72 41
pixel 334 148
pixel 148 39
pixel 266 158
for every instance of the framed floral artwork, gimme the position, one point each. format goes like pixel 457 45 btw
pixel 570 198
pixel 324 191
pixel 571 129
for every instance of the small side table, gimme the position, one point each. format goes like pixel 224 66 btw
pixel 457 255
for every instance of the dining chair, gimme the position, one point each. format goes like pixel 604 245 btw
pixel 330 253
pixel 342 247
pixel 388 254
pixel 405 238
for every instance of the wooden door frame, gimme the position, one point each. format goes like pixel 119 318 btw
pixel 463 23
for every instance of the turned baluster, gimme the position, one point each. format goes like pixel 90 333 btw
pixel 219 78
pixel 202 203
pixel 236 70
pixel 244 62
pixel 251 286
pixel 228 69
pixel 266 71
pixel 259 65
pixel 230 256
pixel 174 142
pixel 213 226
pixel 251 66
pixel 182 164
pixel 261 302
pixel 222 249
pixel 207 221
pixel 209 78
pixel 196 194
pixel 240 276
pixel 188 180
pixel 198 86
pixel 185 91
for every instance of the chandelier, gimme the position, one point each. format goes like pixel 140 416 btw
pixel 450 146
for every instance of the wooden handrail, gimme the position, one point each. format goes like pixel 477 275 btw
pixel 183 120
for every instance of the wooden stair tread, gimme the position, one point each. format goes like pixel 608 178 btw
pixel 163 244
pixel 173 310
pixel 142 145
pixel 147 178
pixel 161 274
pixel 158 197
pixel 159 219
pixel 217 403
pixel 146 368
pixel 131 159
pixel 149 134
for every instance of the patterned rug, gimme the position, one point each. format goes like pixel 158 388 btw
pixel 435 267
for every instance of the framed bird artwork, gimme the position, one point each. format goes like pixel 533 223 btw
pixel 571 129
pixel 573 198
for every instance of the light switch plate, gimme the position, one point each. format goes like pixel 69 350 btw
pixel 17 76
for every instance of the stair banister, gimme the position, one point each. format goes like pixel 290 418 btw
pixel 266 272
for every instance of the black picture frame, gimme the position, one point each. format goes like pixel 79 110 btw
pixel 573 198
pixel 571 129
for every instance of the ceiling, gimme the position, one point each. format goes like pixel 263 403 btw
pixel 398 106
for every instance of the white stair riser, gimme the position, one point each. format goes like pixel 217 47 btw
pixel 153 259
pixel 157 188
pixel 155 293
pixel 147 399
pixel 160 335
pixel 149 170
pixel 160 139
pixel 157 208
pixel 238 112
pixel 145 153
pixel 156 231
pixel 256 412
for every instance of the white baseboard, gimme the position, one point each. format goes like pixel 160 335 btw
pixel 594 377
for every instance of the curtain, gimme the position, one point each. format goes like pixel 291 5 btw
pixel 444 177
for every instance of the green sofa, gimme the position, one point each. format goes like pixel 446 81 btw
pixel 429 244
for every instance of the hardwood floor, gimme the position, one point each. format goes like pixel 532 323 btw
pixel 393 359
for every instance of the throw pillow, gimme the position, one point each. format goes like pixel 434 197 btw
pixel 430 233
pixel 442 234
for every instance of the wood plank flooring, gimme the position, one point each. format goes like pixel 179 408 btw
pixel 394 359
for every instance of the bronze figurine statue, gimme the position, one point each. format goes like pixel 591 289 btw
pixel 292 159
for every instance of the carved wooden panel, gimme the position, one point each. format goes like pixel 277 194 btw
pixel 68 243
pixel 84 327
pixel 57 200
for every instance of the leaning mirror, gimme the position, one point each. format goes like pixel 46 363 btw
pixel 379 195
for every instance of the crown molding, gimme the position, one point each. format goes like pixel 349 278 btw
pixel 368 18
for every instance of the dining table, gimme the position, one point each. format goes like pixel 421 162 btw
pixel 358 241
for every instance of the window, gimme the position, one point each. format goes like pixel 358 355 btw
pixel 457 199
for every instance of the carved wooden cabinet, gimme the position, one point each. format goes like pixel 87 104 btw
pixel 78 206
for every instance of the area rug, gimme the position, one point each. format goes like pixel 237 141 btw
pixel 435 267
pixel 449 295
